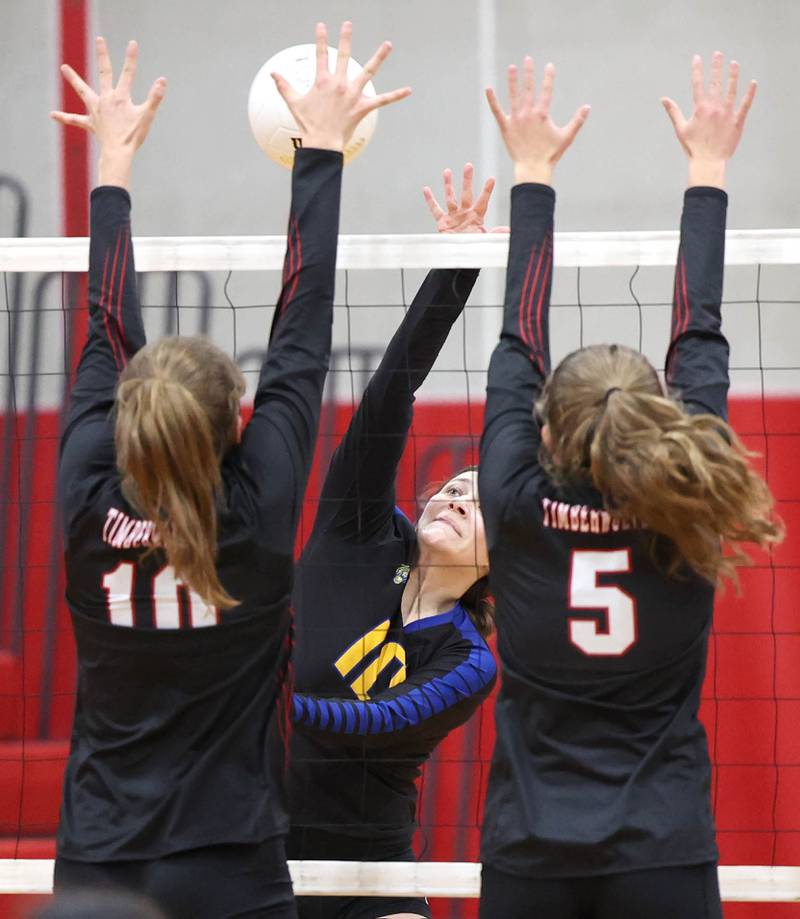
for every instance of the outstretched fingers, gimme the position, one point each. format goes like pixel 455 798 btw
pixel 676 116
pixel 86 93
pixel 73 121
pixel 546 95
pixel 155 97
pixel 449 191
pixel 321 35
pixel 698 90
pixel 373 65
pixel 437 211
pixel 744 108
pixel 345 45
pixel 387 98
pixel 128 68
pixel 715 83
pixel 482 204
pixel 496 108
pixel 577 121
pixel 104 70
pixel 466 186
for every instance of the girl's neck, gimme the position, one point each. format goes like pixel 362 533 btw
pixel 434 587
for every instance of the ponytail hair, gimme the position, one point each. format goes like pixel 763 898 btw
pixel 685 477
pixel 177 410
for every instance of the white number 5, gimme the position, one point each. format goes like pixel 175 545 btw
pixel 586 593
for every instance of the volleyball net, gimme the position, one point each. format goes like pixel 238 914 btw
pixel 606 287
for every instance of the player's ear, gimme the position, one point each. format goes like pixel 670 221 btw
pixel 239 428
pixel 546 440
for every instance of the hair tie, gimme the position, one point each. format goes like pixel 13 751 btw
pixel 609 392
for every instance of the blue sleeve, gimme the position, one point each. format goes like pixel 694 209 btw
pixel 429 704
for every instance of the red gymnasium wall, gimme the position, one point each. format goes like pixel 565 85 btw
pixel 751 704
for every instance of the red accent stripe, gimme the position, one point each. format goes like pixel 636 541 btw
pixel 685 297
pixel 522 299
pixel 123 346
pixel 532 343
pixel 299 264
pixel 540 306
pixel 73 50
pixel 103 290
pixel 108 293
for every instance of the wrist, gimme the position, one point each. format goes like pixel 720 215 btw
pixel 322 141
pixel 114 169
pixel 707 172
pixel 533 172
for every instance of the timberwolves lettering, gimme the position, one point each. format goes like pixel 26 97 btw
pixel 124 532
pixel 578 518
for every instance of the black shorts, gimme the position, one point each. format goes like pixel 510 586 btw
pixel 688 892
pixel 359 907
pixel 216 882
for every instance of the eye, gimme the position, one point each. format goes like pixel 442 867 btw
pixel 452 490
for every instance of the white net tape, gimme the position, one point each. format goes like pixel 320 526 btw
pixel 458 880
pixel 260 253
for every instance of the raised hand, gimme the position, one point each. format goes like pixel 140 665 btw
pixel 534 142
pixel 710 137
pixel 329 112
pixel 119 125
pixel 464 215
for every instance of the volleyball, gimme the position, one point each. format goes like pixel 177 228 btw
pixel 273 125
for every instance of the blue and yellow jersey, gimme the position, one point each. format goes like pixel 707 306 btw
pixel 374 696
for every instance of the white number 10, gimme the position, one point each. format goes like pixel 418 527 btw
pixel 165 591
pixel 586 593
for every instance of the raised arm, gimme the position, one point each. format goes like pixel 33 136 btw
pixel 358 497
pixel 521 360
pixel 697 360
pixel 115 324
pixel 289 393
pixel 430 703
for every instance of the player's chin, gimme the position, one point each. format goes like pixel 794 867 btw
pixel 440 536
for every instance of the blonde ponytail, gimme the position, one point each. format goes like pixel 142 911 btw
pixel 685 477
pixel 176 415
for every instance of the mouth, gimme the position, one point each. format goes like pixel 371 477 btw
pixel 449 522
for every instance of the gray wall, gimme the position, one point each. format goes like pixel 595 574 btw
pixel 201 172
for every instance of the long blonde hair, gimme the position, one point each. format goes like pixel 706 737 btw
pixel 177 410
pixel 686 477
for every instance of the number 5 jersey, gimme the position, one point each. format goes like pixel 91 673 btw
pixel 601 764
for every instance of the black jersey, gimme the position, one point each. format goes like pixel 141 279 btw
pixel 175 699
pixel 374 697
pixel 600 764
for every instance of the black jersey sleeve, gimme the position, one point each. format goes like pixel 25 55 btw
pixel 509 456
pixel 358 496
pixel 115 334
pixel 430 703
pixel 278 442
pixel 697 360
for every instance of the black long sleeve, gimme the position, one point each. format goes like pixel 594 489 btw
pixel 116 333
pixel 289 393
pixel 520 362
pixel 358 496
pixel 697 360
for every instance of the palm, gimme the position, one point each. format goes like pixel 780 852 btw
pixel 460 215
pixel 715 128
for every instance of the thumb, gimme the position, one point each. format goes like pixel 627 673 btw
pixel 675 114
